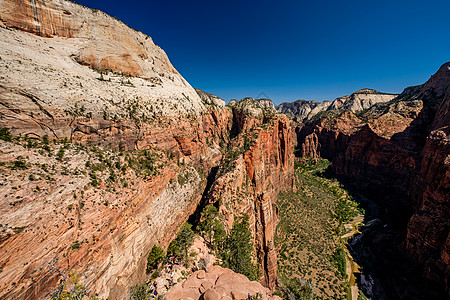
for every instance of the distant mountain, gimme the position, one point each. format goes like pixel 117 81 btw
pixel 302 110
pixel 360 100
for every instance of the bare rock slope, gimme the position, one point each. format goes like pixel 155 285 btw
pixel 102 42
pixel 46 88
pixel 217 283
pixel 110 150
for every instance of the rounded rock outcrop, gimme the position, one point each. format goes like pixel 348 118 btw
pixel 217 283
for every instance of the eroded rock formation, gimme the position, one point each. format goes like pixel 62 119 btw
pixel 78 77
pixel 47 90
pixel 251 183
pixel 304 111
pixel 428 238
pixel 218 283
pixel 398 151
pixel 102 42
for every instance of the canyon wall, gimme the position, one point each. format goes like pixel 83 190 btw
pixel 114 149
pixel 398 152
pixel 252 182
pixel 428 238
pixel 46 89
pixel 59 221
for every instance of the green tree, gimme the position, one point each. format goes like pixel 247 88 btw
pixel 220 236
pixel 185 238
pixel 238 254
pixel 155 257
pixel 140 292
pixel 340 261
pixel 300 289
pixel 19 164
pixel 45 143
pixel 60 154
pixel 211 227
pixel 5 134
pixel 45 139
pixel 71 288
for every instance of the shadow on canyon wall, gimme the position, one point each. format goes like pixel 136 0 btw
pixel 401 183
pixel 386 271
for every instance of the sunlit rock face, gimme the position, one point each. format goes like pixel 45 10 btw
pixel 218 283
pixel 304 111
pixel 51 91
pixel 81 75
pixel 251 184
pixel 76 74
pixel 102 41
pixel 360 100
pixel 398 149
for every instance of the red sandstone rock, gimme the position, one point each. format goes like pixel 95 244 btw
pixel 404 150
pixel 48 92
pixel 259 174
pixel 428 237
pixel 229 285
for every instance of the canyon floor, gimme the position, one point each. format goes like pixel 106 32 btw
pixel 315 221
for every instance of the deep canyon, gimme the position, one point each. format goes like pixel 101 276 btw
pixel 106 150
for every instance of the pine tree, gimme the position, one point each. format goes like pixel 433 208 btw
pixel 238 254
pixel 179 246
pixel 206 225
pixel 154 258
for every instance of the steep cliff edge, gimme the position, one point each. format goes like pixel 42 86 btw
pixel 398 153
pixel 48 91
pixel 428 238
pixel 98 210
pixel 108 150
pixel 257 165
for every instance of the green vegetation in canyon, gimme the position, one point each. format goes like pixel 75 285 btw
pixel 311 256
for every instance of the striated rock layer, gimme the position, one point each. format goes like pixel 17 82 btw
pixel 77 75
pixel 304 111
pixel 250 183
pixel 102 42
pixel 398 151
pixel 428 237
pixel 45 89
pixel 116 226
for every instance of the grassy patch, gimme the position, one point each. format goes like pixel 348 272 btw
pixel 308 234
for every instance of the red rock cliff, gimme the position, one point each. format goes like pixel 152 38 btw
pixel 50 50
pixel 68 70
pixel 259 172
pixel 403 154
pixel 428 237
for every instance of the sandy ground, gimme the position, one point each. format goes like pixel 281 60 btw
pixel 351 266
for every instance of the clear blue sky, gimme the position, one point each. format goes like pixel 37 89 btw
pixel 289 50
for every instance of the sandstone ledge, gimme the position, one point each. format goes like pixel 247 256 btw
pixel 216 283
